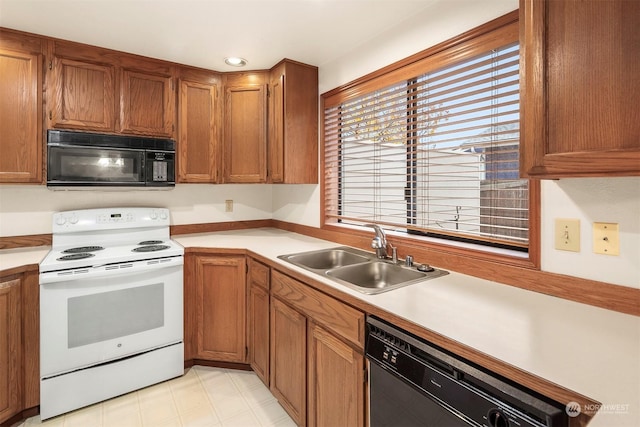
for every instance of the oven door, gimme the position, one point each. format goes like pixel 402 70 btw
pixel 71 165
pixel 86 321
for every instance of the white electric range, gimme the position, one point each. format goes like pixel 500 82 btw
pixel 111 306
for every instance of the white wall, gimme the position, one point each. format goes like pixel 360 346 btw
pixel 592 200
pixel 27 209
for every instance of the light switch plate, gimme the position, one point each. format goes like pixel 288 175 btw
pixel 606 238
pixel 228 205
pixel 567 234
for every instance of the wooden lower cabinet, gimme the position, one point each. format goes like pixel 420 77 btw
pixel 336 381
pixel 215 308
pixel 258 319
pixel 317 361
pixel 307 346
pixel 11 381
pixel 19 344
pixel 289 359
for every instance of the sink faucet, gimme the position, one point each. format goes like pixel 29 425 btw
pixel 379 243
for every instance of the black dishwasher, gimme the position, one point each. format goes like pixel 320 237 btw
pixel 415 383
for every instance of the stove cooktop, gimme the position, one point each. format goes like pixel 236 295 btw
pixel 63 259
pixel 97 237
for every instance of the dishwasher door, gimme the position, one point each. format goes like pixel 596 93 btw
pixel 396 403
pixel 414 383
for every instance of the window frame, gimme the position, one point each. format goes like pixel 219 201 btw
pixel 493 34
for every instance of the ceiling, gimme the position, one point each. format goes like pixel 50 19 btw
pixel 203 32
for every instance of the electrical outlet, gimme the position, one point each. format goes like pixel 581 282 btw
pixel 567 234
pixel 606 239
pixel 228 205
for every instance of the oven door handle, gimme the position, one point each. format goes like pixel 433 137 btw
pixel 109 270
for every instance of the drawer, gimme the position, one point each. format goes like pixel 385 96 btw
pixel 258 274
pixel 340 318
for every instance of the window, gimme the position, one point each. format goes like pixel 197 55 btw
pixel 431 148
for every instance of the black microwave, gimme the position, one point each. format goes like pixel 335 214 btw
pixel 79 159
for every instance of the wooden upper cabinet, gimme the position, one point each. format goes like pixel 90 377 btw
pixel 293 123
pixel 101 90
pixel 245 132
pixel 276 124
pixel 84 95
pixel 147 104
pixel 199 115
pixel 580 88
pixel 21 115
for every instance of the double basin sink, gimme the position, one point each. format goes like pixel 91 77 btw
pixel 359 270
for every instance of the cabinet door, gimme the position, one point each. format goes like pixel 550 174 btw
pixel 198 133
pixel 336 381
pixel 83 95
pixel 30 293
pixel 293 123
pixel 258 314
pixel 580 88
pixel 276 126
pixel 288 359
pixel 11 370
pixel 20 117
pixel 259 332
pixel 146 104
pixel 221 308
pixel 245 134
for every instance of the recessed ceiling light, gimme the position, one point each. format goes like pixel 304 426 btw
pixel 235 61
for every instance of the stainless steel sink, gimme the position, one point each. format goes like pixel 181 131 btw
pixel 359 270
pixel 376 275
pixel 326 259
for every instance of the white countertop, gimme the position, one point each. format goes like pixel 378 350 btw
pixel 590 350
pixel 12 258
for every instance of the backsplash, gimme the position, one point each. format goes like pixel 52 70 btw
pixel 27 210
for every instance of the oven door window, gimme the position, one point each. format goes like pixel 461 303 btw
pixel 108 315
pixel 95 165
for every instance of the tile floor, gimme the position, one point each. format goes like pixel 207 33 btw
pixel 203 397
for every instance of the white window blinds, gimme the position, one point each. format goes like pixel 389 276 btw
pixel 436 154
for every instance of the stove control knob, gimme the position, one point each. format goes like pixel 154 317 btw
pixel 497 418
pixel 163 215
pixel 154 215
pixel 61 220
pixel 73 219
